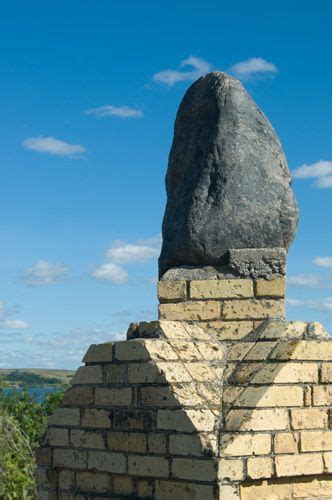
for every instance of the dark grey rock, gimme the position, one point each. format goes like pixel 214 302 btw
pixel 228 184
pixel 257 262
pixel 189 273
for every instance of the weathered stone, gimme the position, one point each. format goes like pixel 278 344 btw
pixel 223 149
pixel 257 262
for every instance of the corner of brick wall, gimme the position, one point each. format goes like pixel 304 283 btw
pixel 223 406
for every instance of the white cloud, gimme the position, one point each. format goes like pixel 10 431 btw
pixel 126 252
pixel 306 280
pixel 321 168
pixel 3 308
pixel 14 324
pixel 111 272
pixel 324 304
pixel 255 67
pixel 323 261
pixel 120 111
pixel 53 146
pixel 197 67
pixel 142 251
pixel 324 182
pixel 45 273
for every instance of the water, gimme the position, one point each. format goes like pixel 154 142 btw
pixel 38 393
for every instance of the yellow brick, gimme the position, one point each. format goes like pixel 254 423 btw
pixel 264 396
pixel 127 441
pixel 310 350
pixel 71 459
pixel 245 444
pixel 86 439
pixel 316 441
pixel 66 479
pixel 314 488
pixel 211 351
pixel 285 373
pixel 230 330
pixel 78 396
pixel 327 457
pixel 256 420
pixel 105 461
pixel 121 396
pixel 299 465
pixel 65 416
pixel 186 420
pixel 174 372
pixel 285 442
pixel 201 372
pixel 131 350
pixel 193 469
pixel 91 374
pixel 322 395
pixel 144 488
pixel 186 350
pixel 259 467
pixel 96 418
pixel 46 478
pixel 192 444
pixel 58 437
pixel 266 490
pixel 99 353
pixel 253 309
pixel 169 291
pixel 275 287
pixel 231 469
pixel 148 466
pixel 144 373
pixel 309 418
pixel 92 482
pixel 326 374
pixel 221 289
pixel 158 396
pixel 157 443
pixel 123 485
pixel 229 491
pixel 171 490
pixel 190 311
pixel 115 374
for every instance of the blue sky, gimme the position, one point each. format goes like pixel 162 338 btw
pixel 89 92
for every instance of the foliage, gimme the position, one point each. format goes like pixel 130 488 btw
pixel 23 424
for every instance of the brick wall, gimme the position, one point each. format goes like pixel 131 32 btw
pixel 221 409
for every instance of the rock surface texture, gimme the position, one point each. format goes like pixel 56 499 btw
pixel 228 183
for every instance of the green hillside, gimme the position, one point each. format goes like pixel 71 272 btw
pixel 34 377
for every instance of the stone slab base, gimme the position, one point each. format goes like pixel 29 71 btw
pixel 179 412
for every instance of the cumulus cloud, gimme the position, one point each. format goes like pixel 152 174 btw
pixel 305 280
pixel 190 69
pixel 255 67
pixel 10 324
pixel 14 324
pixel 45 273
pixel 324 182
pixel 119 111
pixel 324 304
pixel 321 171
pixel 323 261
pixel 111 272
pixel 126 252
pixel 53 146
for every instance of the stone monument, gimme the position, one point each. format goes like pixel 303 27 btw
pixel 222 398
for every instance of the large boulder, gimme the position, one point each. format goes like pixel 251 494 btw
pixel 228 183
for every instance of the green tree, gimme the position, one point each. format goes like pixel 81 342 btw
pixel 23 422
